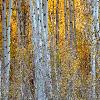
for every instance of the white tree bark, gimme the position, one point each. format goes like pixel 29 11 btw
pixel 8 44
pixel 42 68
pixel 46 53
pixel 4 67
pixel 6 47
pixel 95 30
pixel 8 31
pixel 39 71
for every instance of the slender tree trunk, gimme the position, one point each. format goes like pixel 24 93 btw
pixel 75 35
pixel 0 77
pixel 40 31
pixel 70 84
pixel 93 65
pixel 4 68
pixel 8 44
pixel 71 24
pixel 46 53
pixel 39 70
pixel 20 46
pixel 8 32
pixel 20 23
pixel 72 28
pixel 94 43
pixel 66 19
pixel 58 73
pixel 6 48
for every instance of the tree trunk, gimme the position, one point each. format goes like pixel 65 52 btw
pixel 39 70
pixel 0 77
pixel 40 32
pixel 72 29
pixel 8 44
pixel 95 28
pixel 58 69
pixel 46 53
pixel 20 47
pixel 4 84
pixel 66 19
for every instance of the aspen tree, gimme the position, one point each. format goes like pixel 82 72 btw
pixel 20 22
pixel 39 71
pixel 57 72
pixel 0 77
pixel 8 43
pixel 3 85
pixel 42 69
pixel 72 28
pixel 46 53
pixel 20 30
pixel 95 28
pixel 6 48
pixel 9 31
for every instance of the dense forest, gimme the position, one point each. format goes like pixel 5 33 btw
pixel 49 50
